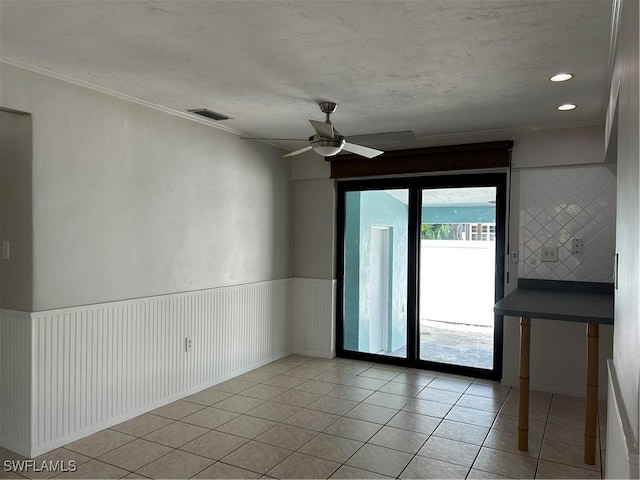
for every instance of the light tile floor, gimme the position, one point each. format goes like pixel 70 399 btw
pixel 304 417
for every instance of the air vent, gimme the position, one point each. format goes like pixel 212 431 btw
pixel 203 112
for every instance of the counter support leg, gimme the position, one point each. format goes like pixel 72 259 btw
pixel 523 412
pixel 591 416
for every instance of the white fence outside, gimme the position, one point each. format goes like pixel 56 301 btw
pixel 457 281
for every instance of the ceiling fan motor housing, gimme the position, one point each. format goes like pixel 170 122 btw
pixel 328 107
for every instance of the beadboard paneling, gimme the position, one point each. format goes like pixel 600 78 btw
pixel 15 381
pixel 98 365
pixel 313 317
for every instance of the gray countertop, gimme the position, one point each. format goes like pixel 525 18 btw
pixel 559 301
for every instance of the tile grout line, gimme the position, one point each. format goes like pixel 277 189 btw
pixel 344 415
pixel 488 432
pixel 344 383
pixel 297 450
pixel 544 432
pixel 341 417
pixel 414 397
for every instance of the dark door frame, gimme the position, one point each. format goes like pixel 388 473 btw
pixel 415 185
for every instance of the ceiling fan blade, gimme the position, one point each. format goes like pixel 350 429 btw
pixel 360 150
pixel 298 152
pixel 384 138
pixel 277 139
pixel 325 130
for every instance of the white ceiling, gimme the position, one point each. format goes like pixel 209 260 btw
pixel 434 67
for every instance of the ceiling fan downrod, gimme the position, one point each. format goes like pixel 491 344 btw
pixel 328 108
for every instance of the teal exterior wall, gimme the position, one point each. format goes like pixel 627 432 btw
pixel 352 271
pixel 436 214
pixel 365 210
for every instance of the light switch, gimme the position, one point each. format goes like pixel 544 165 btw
pixel 6 250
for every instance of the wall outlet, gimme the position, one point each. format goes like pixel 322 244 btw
pixel 188 344
pixel 549 254
pixel 6 250
pixel 576 245
pixel 514 257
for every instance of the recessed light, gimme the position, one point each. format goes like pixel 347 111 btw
pixel 561 77
pixel 566 107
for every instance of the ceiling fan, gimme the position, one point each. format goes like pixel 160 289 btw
pixel 328 142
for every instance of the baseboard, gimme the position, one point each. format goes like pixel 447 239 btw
pixel 559 390
pixel 315 353
pixel 19 448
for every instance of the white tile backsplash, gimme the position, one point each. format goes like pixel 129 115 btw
pixel 558 205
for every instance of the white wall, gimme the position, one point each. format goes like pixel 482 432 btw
pixel 130 202
pixel 556 341
pixel 562 146
pixel 314 229
pixel 626 353
pixel 147 228
pixel 314 266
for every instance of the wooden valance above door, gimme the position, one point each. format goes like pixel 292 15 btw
pixel 472 156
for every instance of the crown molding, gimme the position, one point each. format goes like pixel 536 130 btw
pixel 114 93
pixel 616 10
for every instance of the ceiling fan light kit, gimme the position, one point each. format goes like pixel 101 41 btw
pixel 328 148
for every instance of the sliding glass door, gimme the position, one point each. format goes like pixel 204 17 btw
pixel 419 269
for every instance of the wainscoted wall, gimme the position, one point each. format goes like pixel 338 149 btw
pixel 313 317
pixel 15 380
pixel 98 365
pixel 559 204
